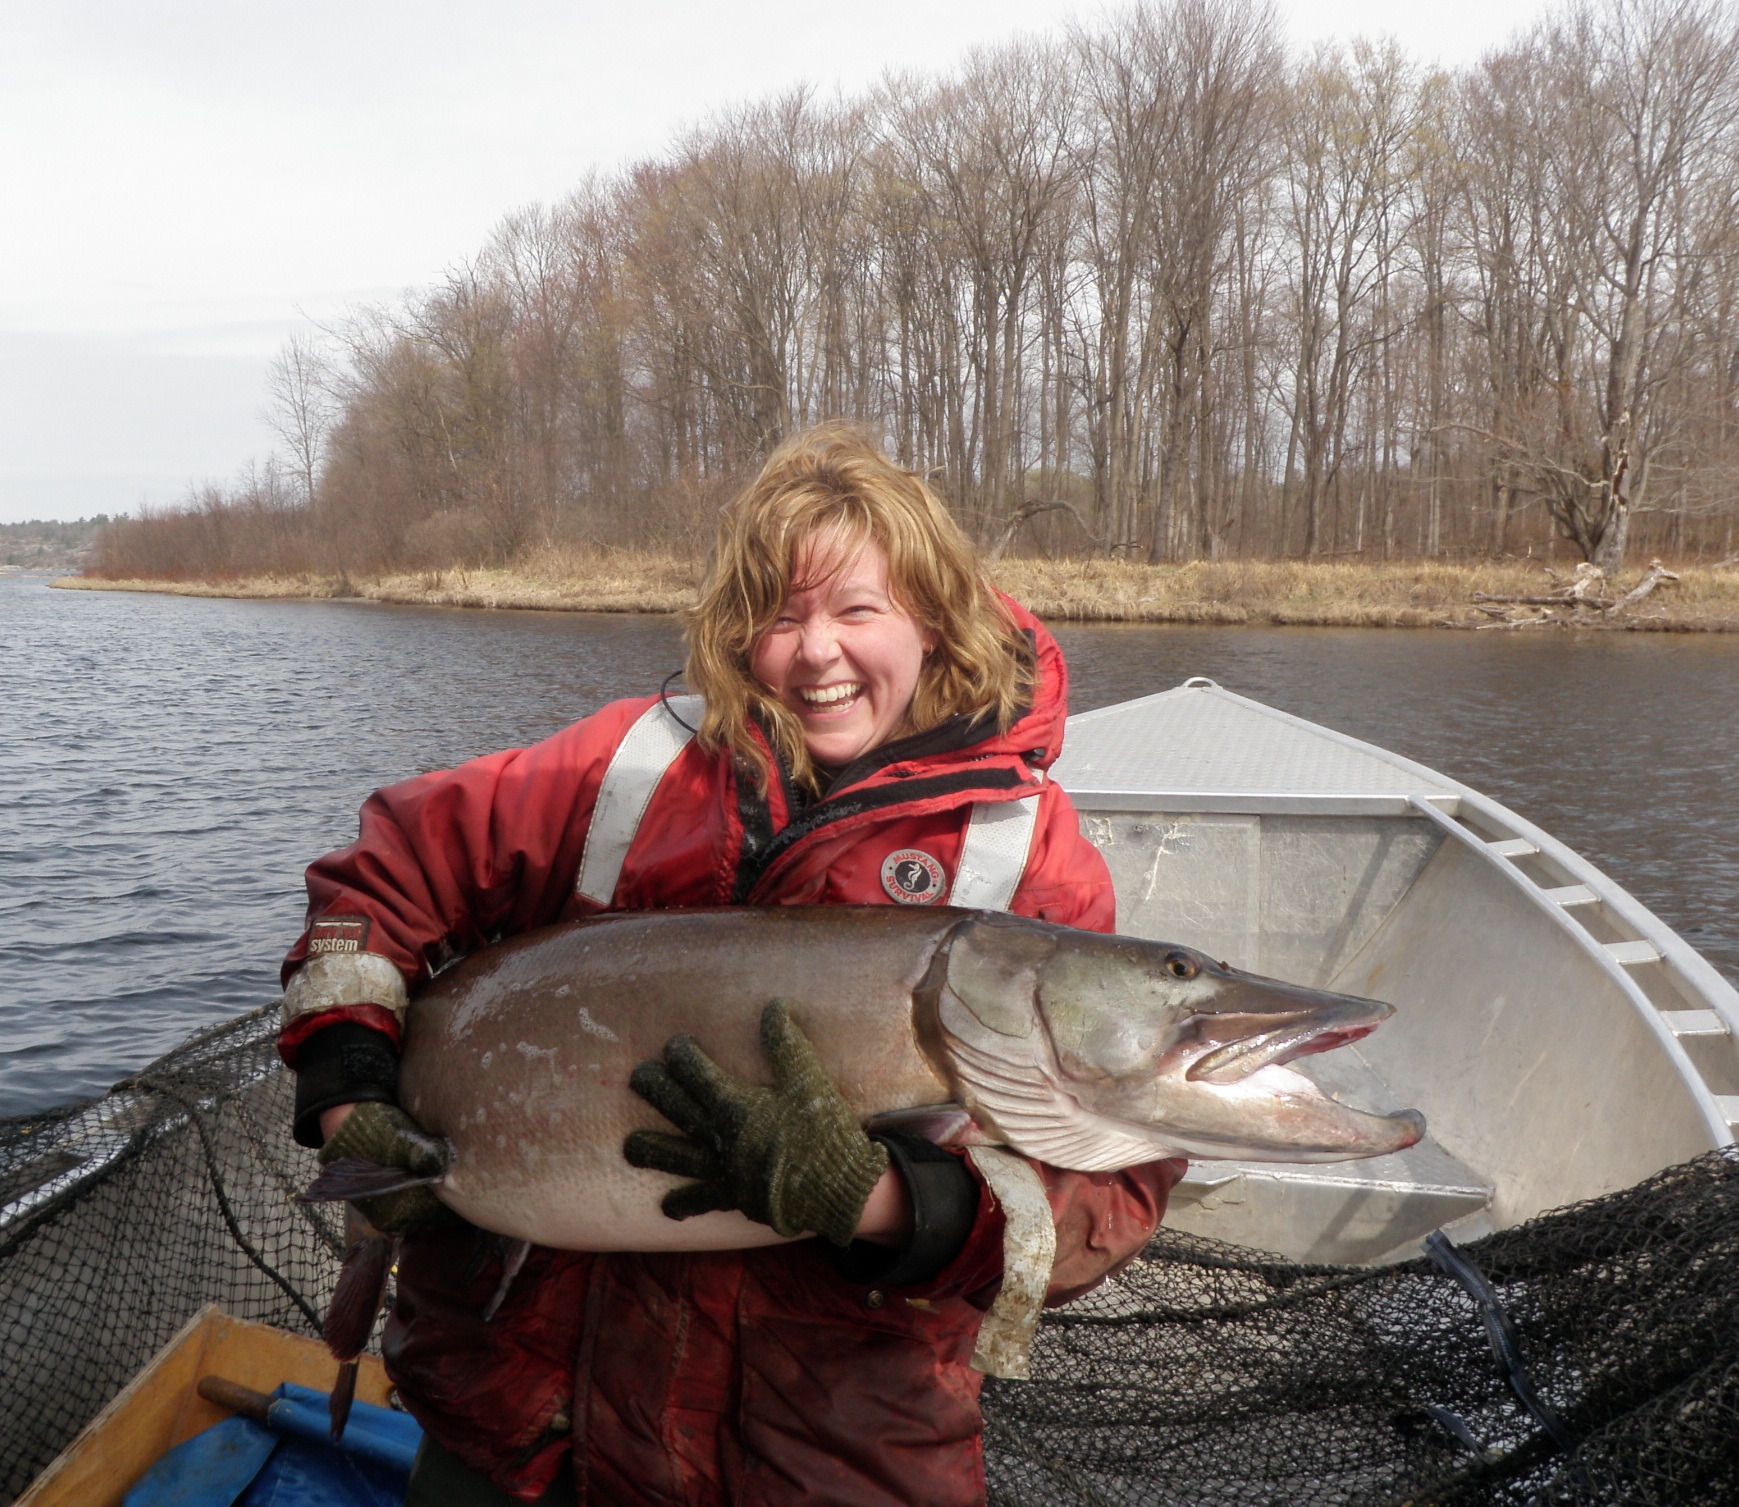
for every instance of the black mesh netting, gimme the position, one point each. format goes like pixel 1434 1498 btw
pixel 1205 1374
pixel 1210 1374
pixel 122 1218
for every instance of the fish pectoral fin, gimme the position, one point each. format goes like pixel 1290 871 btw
pixel 943 1124
pixel 1081 1140
pixel 350 1178
pixel 1039 1118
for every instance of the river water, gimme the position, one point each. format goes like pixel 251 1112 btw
pixel 169 764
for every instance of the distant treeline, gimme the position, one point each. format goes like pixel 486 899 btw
pixel 48 543
pixel 1155 289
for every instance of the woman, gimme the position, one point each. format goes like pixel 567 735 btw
pixel 876 725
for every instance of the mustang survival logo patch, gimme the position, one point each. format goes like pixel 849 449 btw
pixel 338 934
pixel 912 877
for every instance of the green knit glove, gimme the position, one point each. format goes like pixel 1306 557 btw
pixel 385 1135
pixel 791 1156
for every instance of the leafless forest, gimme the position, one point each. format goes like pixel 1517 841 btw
pixel 1156 290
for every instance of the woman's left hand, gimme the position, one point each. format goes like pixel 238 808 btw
pixel 791 1156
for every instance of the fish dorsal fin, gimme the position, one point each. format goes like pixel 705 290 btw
pixel 1014 1088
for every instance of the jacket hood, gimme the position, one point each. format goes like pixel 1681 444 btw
pixel 1037 735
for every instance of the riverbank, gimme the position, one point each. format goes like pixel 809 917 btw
pixel 1290 593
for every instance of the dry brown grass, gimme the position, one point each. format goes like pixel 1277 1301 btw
pixel 1337 593
pixel 547 579
pixel 261 587
pixel 1329 594
pixel 554 579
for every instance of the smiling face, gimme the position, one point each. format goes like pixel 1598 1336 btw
pixel 843 655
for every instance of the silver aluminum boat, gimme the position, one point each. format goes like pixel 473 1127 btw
pixel 1561 1040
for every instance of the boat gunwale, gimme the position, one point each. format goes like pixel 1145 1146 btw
pixel 1246 802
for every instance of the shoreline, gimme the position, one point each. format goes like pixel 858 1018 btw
pixel 1223 593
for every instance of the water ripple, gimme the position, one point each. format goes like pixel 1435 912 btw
pixel 168 765
pixel 1623 745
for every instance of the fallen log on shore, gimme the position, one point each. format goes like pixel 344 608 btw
pixel 1578 601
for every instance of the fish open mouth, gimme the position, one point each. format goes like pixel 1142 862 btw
pixel 1238 1060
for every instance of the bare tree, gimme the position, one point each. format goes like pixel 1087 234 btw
pixel 303 407
pixel 1632 107
pixel 1156 289
pixel 989 155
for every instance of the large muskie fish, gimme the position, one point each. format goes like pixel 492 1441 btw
pixel 1080 1050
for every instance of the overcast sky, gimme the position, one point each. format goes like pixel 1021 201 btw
pixel 184 183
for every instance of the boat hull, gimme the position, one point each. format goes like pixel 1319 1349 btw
pixel 1561 1041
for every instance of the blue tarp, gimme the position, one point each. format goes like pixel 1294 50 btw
pixel 288 1461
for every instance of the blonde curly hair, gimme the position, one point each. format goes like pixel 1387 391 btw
pixel 835 480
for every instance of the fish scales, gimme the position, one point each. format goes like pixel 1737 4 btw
pixel 520 1056
pixel 1082 1050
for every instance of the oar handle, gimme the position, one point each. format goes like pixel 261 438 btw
pixel 234 1396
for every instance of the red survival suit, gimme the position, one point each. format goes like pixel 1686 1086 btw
pixel 757 1377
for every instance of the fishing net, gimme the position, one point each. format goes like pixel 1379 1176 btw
pixel 123 1217
pixel 1210 1374
pixel 1589 1356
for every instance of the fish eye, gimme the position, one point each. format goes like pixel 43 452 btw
pixel 1180 965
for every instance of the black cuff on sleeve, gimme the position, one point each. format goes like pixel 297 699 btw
pixel 944 1208
pixel 344 1063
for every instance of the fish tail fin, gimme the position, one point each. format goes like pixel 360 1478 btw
pixel 357 1297
pixel 351 1178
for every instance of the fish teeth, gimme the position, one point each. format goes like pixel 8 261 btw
pixel 1240 1059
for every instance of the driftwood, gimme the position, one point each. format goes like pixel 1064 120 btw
pixel 1582 591
pixel 1557 599
pixel 1658 575
pixel 1577 601
pixel 1543 618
